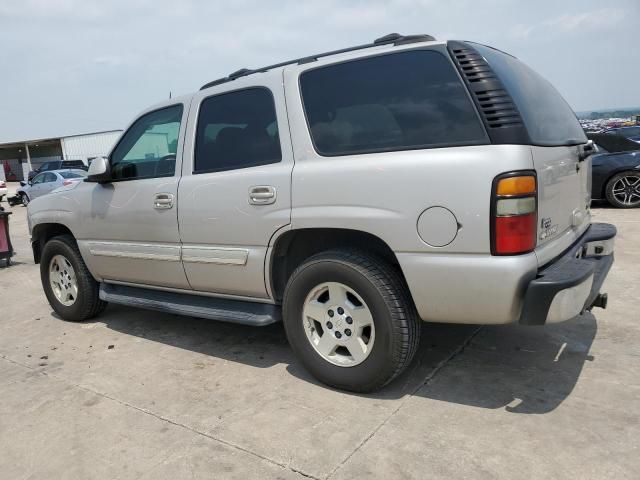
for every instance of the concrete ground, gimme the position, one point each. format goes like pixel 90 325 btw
pixel 138 394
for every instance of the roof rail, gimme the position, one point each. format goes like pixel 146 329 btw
pixel 394 38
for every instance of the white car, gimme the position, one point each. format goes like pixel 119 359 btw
pixel 3 189
pixel 46 182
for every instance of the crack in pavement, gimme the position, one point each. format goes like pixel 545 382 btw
pixel 430 376
pixel 426 381
pixel 164 419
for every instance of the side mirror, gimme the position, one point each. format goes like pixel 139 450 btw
pixel 99 170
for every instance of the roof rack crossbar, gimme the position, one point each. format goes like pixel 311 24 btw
pixel 394 38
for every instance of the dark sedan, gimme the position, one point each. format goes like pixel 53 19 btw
pixel 616 172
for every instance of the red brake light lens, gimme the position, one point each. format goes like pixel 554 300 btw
pixel 515 216
pixel 67 182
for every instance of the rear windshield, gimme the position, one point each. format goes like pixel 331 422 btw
pixel 399 101
pixel 73 174
pixel 549 120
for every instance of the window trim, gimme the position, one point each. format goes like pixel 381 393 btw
pixel 176 172
pixel 486 141
pixel 197 123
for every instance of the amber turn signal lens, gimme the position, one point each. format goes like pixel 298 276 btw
pixel 522 185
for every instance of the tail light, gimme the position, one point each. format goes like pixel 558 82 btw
pixel 514 213
pixel 67 183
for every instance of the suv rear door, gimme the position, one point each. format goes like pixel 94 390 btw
pixel 235 187
pixel 564 192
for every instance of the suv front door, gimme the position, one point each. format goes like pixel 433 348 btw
pixel 130 228
pixel 235 186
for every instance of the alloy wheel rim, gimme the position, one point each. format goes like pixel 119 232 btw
pixel 626 190
pixel 62 278
pixel 338 324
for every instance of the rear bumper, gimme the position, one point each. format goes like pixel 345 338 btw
pixel 571 284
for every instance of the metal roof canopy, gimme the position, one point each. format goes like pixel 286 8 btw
pixel 22 143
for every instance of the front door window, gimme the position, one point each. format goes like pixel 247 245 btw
pixel 148 149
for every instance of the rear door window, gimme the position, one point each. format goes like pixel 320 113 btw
pixel 237 130
pixel 549 119
pixel 401 101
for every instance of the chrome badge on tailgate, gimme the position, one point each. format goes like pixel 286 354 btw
pixel 547 229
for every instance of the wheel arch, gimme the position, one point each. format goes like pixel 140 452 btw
pixel 42 233
pixel 293 247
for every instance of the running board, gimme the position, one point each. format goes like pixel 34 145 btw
pixel 234 311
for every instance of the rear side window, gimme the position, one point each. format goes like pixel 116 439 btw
pixel 401 101
pixel 237 130
pixel 73 174
pixel 549 120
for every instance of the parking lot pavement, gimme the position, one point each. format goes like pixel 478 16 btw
pixel 138 394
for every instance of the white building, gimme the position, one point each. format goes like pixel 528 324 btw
pixel 17 159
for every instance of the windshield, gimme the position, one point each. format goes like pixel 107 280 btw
pixel 630 131
pixel 549 120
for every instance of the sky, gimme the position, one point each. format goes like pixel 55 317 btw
pixel 77 66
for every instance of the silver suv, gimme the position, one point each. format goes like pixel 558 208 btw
pixel 350 194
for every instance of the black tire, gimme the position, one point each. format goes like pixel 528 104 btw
pixel 615 201
pixel 87 304
pixel 395 319
pixel 25 199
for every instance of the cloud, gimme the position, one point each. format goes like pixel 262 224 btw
pixel 582 22
pixel 108 59
pixel 602 19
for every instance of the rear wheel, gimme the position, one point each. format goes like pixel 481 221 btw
pixel 349 319
pixel 70 288
pixel 623 190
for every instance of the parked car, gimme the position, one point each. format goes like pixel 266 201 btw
pixel 57 165
pixel 350 194
pixel 616 177
pixel 632 133
pixel 47 182
pixel 3 189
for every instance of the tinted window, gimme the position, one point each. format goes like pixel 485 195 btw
pixel 73 163
pixel 548 118
pixel 629 131
pixel 148 148
pixel 237 130
pixel 73 174
pixel 612 142
pixel 401 101
pixel 50 177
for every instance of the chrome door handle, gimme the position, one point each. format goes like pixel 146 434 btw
pixel 162 201
pixel 262 195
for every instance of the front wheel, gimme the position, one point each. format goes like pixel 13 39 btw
pixel 623 190
pixel 70 288
pixel 349 318
pixel 25 199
